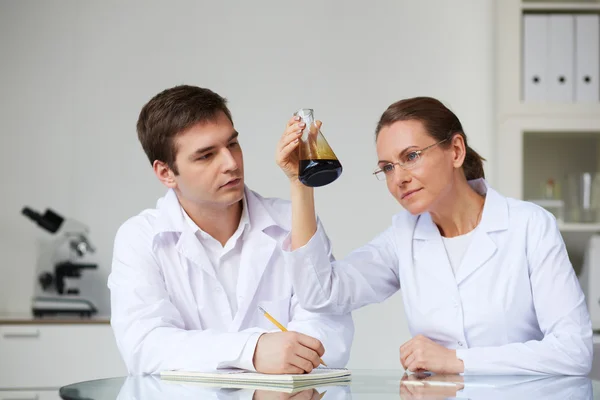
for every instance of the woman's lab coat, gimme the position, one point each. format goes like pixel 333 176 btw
pixel 515 305
pixel 169 311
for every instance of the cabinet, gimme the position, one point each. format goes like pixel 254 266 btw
pixel 542 139
pixel 37 359
pixel 29 395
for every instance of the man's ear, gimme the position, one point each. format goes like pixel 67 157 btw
pixel 164 174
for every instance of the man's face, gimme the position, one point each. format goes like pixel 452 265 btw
pixel 210 164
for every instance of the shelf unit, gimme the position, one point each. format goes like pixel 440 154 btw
pixel 560 6
pixel 579 227
pixel 509 61
pixel 517 120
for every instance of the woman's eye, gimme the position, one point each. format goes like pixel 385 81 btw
pixel 412 156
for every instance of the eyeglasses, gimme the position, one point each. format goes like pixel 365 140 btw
pixel 407 161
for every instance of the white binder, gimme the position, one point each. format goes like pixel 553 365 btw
pixel 535 57
pixel 587 58
pixel 561 58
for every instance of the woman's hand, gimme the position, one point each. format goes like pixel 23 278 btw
pixel 423 354
pixel 286 155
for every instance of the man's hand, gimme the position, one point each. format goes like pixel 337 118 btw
pixel 423 354
pixel 287 353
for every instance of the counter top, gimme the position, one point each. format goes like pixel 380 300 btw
pixel 28 319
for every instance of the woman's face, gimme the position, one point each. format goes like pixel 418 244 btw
pixel 420 186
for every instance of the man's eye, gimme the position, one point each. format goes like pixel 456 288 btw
pixel 204 157
pixel 233 144
pixel 388 168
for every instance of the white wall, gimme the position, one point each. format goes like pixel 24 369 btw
pixel 75 74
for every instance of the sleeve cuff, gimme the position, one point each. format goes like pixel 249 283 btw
pixel 245 360
pixel 313 254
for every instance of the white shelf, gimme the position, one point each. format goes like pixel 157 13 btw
pixel 582 227
pixel 556 110
pixel 562 6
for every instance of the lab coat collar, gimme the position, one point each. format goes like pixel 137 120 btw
pixel 493 218
pixel 171 218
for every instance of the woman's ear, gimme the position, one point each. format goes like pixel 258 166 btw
pixel 459 150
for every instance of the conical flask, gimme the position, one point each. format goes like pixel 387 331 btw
pixel 318 165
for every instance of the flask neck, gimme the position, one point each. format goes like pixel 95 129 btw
pixel 307 115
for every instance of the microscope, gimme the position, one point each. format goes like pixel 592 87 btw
pixel 56 292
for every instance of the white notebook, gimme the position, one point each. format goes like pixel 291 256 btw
pixel 244 379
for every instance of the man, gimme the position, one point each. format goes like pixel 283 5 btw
pixel 188 277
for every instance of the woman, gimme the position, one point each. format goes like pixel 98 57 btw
pixel 486 280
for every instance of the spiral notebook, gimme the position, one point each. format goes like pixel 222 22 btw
pixel 245 379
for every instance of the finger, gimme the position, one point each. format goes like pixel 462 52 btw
pixel 293 369
pixel 408 362
pixel 404 355
pixel 289 138
pixel 302 363
pixel 311 343
pixel 287 150
pixel 293 120
pixel 414 364
pixel 308 354
pixel 406 346
pixel 290 133
pixel 313 131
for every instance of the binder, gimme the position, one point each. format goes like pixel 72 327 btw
pixel 561 29
pixel 535 57
pixel 587 58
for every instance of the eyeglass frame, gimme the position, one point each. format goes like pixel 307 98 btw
pixel 401 165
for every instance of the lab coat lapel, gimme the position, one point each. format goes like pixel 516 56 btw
pixel 494 218
pixel 191 248
pixel 430 253
pixel 171 220
pixel 258 248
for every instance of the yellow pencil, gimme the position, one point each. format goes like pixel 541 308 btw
pixel 277 324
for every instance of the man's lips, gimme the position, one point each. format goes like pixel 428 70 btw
pixel 232 182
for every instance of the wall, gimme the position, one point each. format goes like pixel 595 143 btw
pixel 75 75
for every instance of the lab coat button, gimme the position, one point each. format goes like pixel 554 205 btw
pixel 460 344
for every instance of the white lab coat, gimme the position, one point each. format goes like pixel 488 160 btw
pixel 161 323
pixel 514 307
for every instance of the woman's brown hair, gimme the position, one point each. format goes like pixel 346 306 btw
pixel 439 122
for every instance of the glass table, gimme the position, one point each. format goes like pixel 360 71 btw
pixel 365 385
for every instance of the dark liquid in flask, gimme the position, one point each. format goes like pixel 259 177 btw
pixel 317 173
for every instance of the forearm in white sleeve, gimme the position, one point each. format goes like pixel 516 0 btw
pixel 368 275
pixel 336 332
